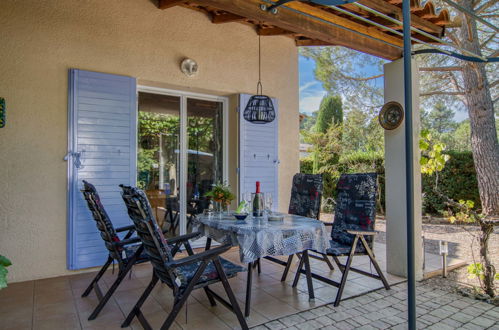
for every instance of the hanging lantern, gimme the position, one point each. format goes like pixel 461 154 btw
pixel 260 109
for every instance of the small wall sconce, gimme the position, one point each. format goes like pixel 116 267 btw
pixel 189 67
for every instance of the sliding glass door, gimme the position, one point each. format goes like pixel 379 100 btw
pixel 180 154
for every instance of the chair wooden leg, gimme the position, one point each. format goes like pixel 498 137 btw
pixel 345 272
pixel 208 243
pixel 340 266
pixel 97 277
pixel 136 309
pixel 298 272
pixel 121 275
pixel 109 293
pixel 375 263
pixel 210 297
pixel 181 300
pixel 230 294
pixel 288 266
pixel 328 262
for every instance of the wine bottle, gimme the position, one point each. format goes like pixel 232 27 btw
pixel 257 202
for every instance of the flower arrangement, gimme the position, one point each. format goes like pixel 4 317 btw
pixel 221 193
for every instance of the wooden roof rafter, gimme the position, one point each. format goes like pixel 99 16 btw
pixel 311 24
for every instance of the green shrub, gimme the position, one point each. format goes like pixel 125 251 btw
pixel 306 165
pixel 457 180
pixel 358 162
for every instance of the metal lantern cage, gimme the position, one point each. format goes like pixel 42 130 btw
pixel 259 110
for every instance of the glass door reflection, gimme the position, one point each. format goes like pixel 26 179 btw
pixel 158 159
pixel 204 153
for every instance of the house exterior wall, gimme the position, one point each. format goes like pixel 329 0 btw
pixel 41 40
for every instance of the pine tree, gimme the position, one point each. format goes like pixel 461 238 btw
pixel 330 112
pixel 441 118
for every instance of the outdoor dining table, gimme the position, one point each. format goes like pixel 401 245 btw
pixel 262 238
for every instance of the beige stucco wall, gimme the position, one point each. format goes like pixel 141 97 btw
pixel 42 39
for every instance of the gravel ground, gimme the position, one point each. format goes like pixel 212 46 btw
pixel 463 243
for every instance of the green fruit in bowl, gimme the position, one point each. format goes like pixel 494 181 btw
pixel 240 207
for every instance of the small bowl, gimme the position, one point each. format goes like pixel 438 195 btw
pixel 240 216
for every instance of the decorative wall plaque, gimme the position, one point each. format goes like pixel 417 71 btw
pixel 391 115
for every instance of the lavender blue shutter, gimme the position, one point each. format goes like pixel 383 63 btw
pixel 102 150
pixel 258 153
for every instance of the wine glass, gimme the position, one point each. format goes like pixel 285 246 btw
pixel 268 203
pixel 248 199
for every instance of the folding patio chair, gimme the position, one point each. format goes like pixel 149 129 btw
pixel 126 252
pixel 306 196
pixel 181 275
pixel 353 228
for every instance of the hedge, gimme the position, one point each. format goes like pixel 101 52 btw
pixel 457 180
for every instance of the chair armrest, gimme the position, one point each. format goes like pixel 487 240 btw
pixel 205 255
pixel 121 229
pixel 182 238
pixel 128 241
pixel 362 232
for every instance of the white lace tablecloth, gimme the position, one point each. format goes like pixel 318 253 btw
pixel 258 238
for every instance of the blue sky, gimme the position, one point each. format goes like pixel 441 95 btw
pixel 311 91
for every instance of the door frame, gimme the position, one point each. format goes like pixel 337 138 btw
pixel 183 95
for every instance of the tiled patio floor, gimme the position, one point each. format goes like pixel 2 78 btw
pixel 56 303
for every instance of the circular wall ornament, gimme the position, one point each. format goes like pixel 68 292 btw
pixel 189 67
pixel 391 115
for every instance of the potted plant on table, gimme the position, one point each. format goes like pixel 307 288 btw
pixel 4 263
pixel 221 195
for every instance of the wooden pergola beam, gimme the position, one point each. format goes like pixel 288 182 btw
pixel 165 4
pixel 301 24
pixel 311 42
pixel 345 22
pixel 227 18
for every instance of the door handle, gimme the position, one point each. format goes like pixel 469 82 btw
pixel 76 158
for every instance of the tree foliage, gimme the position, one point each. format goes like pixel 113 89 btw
pixel 330 114
pixel 440 119
pixel 152 126
pixel 459 85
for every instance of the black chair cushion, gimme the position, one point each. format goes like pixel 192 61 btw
pixel 130 251
pixel 306 195
pixel 186 273
pixel 355 206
